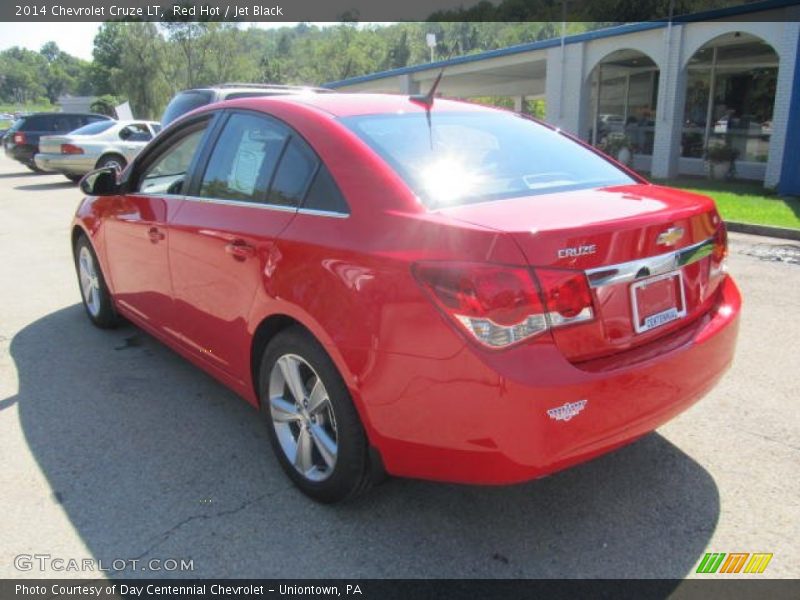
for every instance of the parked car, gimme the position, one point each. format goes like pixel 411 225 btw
pixel 188 100
pixel 446 291
pixel 22 140
pixel 93 146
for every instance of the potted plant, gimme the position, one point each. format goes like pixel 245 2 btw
pixel 619 146
pixel 720 160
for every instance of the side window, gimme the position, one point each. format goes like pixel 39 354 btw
pixel 135 132
pixel 324 194
pixel 62 124
pixel 167 174
pixel 294 174
pixel 243 159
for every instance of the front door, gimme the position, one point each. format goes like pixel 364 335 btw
pixel 137 235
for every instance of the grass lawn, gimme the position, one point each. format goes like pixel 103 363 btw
pixel 743 202
pixel 33 107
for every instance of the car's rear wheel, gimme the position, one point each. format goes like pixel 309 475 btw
pixel 314 428
pixel 94 292
pixel 112 160
pixel 73 178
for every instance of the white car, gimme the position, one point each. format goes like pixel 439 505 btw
pixel 100 144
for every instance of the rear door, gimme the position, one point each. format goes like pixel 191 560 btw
pixel 136 228
pixel 223 238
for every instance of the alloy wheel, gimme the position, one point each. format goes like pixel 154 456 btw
pixel 90 283
pixel 303 417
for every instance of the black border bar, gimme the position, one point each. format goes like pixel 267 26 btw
pixel 398 589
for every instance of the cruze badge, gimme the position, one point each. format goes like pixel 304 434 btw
pixel 577 251
pixel 670 237
pixel 567 411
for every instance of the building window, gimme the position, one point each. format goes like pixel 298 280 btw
pixel 730 93
pixel 624 99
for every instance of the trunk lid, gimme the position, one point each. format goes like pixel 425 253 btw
pixel 51 144
pixel 644 248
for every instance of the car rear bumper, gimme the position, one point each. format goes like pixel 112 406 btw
pixel 71 164
pixel 483 417
pixel 21 153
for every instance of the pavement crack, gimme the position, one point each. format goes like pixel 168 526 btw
pixel 165 536
pixel 769 439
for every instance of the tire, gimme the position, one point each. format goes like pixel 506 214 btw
pixel 73 178
pixel 94 291
pixel 111 160
pixel 34 168
pixel 336 466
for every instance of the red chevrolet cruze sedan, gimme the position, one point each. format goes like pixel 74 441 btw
pixel 435 290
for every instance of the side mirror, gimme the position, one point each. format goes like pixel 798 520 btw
pixel 102 182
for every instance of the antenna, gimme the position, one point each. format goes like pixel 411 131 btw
pixel 427 99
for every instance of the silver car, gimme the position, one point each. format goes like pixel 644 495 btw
pixel 101 144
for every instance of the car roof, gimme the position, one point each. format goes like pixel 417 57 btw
pixel 66 114
pixel 349 104
pixel 267 88
pixel 129 121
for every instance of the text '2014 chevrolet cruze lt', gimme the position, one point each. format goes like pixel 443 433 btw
pixel 425 288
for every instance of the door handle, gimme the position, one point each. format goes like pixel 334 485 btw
pixel 240 250
pixel 155 235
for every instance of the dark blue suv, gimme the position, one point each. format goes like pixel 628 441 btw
pixel 21 141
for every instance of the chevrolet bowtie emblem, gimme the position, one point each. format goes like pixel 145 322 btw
pixel 670 237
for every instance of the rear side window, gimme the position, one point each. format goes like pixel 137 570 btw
pixel 35 123
pixel 185 102
pixel 324 194
pixel 294 174
pixel 243 159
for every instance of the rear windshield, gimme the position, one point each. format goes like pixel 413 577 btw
pixel 185 102
pixel 94 128
pixel 460 158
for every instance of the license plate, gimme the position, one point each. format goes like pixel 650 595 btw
pixel 657 301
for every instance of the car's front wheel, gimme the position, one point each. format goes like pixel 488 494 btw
pixel 314 428
pixel 94 292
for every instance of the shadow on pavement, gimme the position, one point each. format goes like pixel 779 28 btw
pixel 151 458
pixel 43 187
pixel 25 173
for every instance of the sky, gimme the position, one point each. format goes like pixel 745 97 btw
pixel 73 38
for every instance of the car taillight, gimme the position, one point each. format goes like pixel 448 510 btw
pixel 719 255
pixel 71 149
pixel 566 295
pixel 499 305
pixel 19 137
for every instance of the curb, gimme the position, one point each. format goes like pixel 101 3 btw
pixel 766 230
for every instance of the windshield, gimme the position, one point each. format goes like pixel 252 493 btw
pixel 93 128
pixel 473 157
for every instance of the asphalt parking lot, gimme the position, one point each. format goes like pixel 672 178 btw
pixel 112 447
